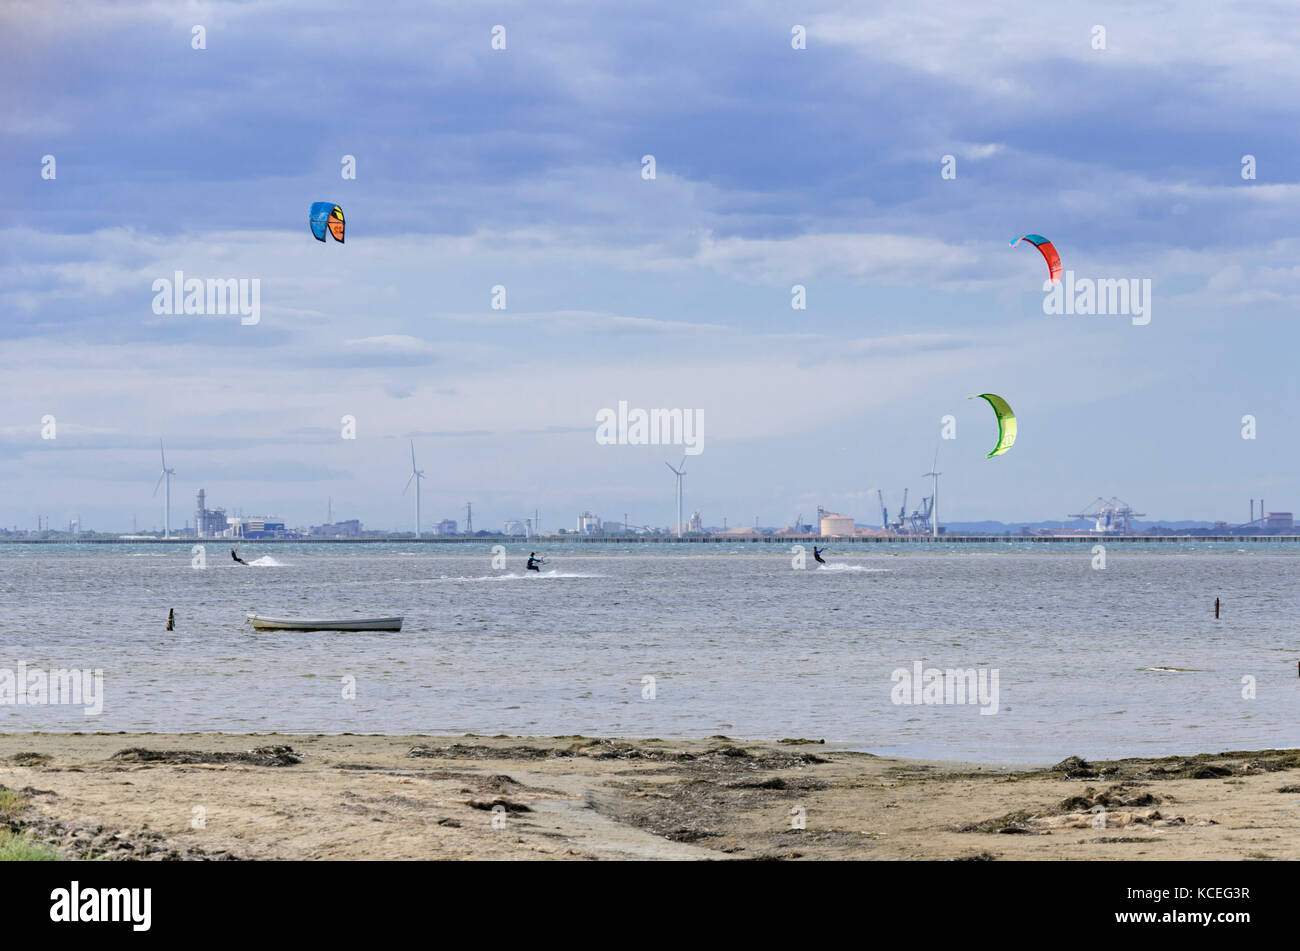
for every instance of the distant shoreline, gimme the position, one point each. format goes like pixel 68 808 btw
pixel 666 540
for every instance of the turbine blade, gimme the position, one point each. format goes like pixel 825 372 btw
pixel 408 483
pixel 158 483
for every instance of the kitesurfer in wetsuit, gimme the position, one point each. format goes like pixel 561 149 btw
pixel 533 562
pixel 817 555
pixel 235 555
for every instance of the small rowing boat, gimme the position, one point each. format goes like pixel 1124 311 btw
pixel 263 623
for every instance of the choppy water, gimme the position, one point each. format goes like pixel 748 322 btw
pixel 737 641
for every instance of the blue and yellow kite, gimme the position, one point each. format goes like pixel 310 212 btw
pixel 326 215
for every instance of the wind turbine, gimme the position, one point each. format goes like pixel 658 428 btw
pixel 679 472
pixel 934 496
pixel 166 476
pixel 416 476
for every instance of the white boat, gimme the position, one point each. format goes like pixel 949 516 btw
pixel 262 623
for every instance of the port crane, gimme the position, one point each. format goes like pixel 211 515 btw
pixel 918 523
pixel 1111 516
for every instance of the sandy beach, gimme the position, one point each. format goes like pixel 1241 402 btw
pixel 268 797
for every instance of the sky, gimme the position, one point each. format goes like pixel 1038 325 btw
pixel 1120 132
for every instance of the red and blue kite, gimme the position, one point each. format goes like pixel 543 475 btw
pixel 1048 251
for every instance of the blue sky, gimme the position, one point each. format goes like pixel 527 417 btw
pixel 522 167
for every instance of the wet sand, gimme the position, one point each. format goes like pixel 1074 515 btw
pixel 222 796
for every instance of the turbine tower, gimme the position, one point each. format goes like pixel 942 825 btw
pixel 416 476
pixel 679 472
pixel 934 496
pixel 165 477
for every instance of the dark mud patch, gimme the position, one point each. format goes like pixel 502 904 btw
pixel 793 784
pixel 507 804
pixel 261 756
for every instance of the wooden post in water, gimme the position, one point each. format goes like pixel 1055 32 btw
pixel 171 619
pixel 1216 609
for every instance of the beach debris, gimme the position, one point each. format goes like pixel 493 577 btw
pixel 469 751
pixel 1013 823
pixel 260 756
pixel 1117 797
pixel 87 842
pixel 30 759
pixel 1075 767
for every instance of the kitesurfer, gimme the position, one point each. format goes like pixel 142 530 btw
pixel 817 554
pixel 235 555
pixel 534 562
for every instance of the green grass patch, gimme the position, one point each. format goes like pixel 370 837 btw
pixel 19 848
pixel 10 804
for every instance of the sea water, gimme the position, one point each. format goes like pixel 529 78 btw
pixel 677 641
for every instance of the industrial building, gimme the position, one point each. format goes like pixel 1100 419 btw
pixel 1267 522
pixel 209 523
pixel 348 529
pixel 241 527
pixel 446 527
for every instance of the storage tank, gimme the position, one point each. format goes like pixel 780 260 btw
pixel 833 524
